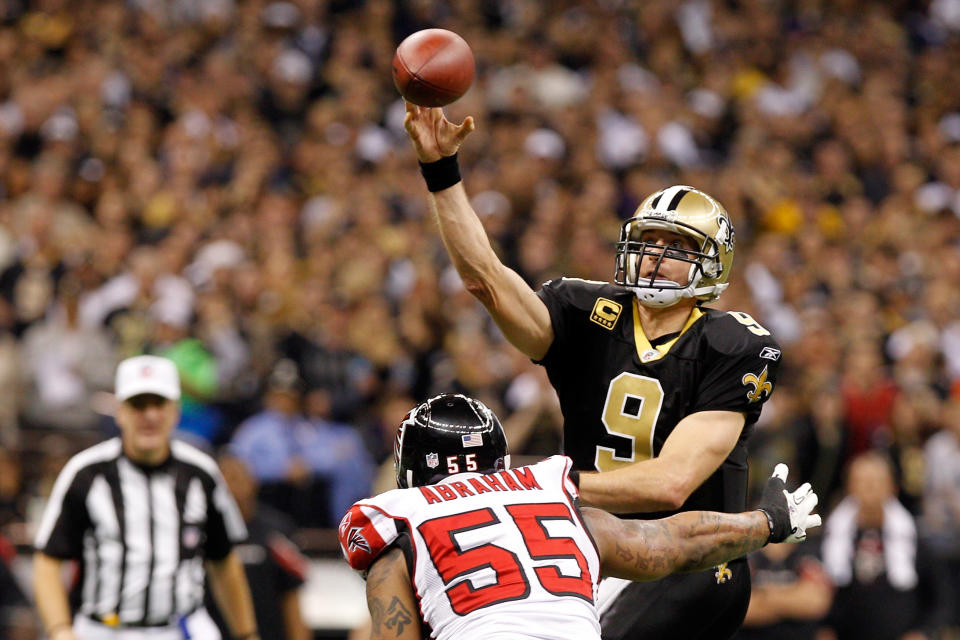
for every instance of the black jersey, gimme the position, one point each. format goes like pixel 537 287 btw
pixel 621 397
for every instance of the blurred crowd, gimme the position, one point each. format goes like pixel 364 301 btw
pixel 228 183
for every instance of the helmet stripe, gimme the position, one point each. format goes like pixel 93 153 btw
pixel 675 202
pixel 664 200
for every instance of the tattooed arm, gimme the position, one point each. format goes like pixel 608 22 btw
pixel 689 541
pixel 393 609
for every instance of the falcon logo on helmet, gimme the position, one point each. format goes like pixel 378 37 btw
pixel 687 211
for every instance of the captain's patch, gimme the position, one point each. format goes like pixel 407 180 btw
pixel 605 313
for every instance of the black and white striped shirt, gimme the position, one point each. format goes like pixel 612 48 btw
pixel 141 533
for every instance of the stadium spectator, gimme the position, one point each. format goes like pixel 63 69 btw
pixel 63 363
pixel 887 583
pixel 336 453
pixel 307 465
pixel 940 524
pixel 790 594
pixel 274 566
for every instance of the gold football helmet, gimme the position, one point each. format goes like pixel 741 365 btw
pixel 687 211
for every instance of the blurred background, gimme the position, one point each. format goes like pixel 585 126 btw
pixel 228 183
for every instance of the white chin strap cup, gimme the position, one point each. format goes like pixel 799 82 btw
pixel 650 297
pixel 654 296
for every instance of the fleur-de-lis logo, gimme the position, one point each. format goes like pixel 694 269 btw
pixel 760 385
pixel 722 573
pixel 725 234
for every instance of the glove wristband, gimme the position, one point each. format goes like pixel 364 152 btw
pixel 770 524
pixel 441 174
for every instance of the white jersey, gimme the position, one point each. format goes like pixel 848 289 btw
pixel 497 556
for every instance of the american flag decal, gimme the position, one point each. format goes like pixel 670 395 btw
pixel 472 440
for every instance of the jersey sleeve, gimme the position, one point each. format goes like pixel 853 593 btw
pixel 569 478
pixel 741 369
pixel 581 312
pixel 557 297
pixel 365 532
pixel 225 526
pixel 65 518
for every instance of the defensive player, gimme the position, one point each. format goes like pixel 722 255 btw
pixel 658 392
pixel 470 548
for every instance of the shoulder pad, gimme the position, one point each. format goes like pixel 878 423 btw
pixel 735 332
pixel 561 468
pixel 365 532
pixel 583 293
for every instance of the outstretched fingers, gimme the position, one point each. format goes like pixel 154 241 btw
pixel 781 471
pixel 464 129
pixel 413 111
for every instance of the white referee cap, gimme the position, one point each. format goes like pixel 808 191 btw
pixel 147 374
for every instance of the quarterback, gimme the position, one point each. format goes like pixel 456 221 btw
pixel 659 393
pixel 469 547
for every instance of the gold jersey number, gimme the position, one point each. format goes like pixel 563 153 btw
pixel 747 320
pixel 630 412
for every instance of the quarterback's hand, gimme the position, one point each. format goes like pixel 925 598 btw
pixel 789 513
pixel 434 136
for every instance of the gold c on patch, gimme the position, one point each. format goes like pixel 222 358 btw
pixel 605 313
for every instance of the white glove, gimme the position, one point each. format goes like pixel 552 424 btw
pixel 788 522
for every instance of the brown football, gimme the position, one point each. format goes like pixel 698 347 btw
pixel 433 67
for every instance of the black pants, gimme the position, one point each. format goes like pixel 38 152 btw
pixel 689 606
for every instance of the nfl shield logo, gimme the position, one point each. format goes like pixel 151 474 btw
pixel 191 537
pixel 649 354
pixel 433 460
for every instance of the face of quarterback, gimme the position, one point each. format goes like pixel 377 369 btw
pixel 671 266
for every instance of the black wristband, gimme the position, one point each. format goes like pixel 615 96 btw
pixel 770 525
pixel 441 174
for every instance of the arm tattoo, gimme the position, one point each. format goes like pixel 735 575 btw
pixel 699 540
pixel 689 541
pixel 376 613
pixel 388 613
pixel 623 552
pixel 397 616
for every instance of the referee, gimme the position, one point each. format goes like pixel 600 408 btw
pixel 144 515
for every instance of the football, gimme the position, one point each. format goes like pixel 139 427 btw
pixel 433 67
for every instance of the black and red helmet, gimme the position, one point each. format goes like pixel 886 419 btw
pixel 448 434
